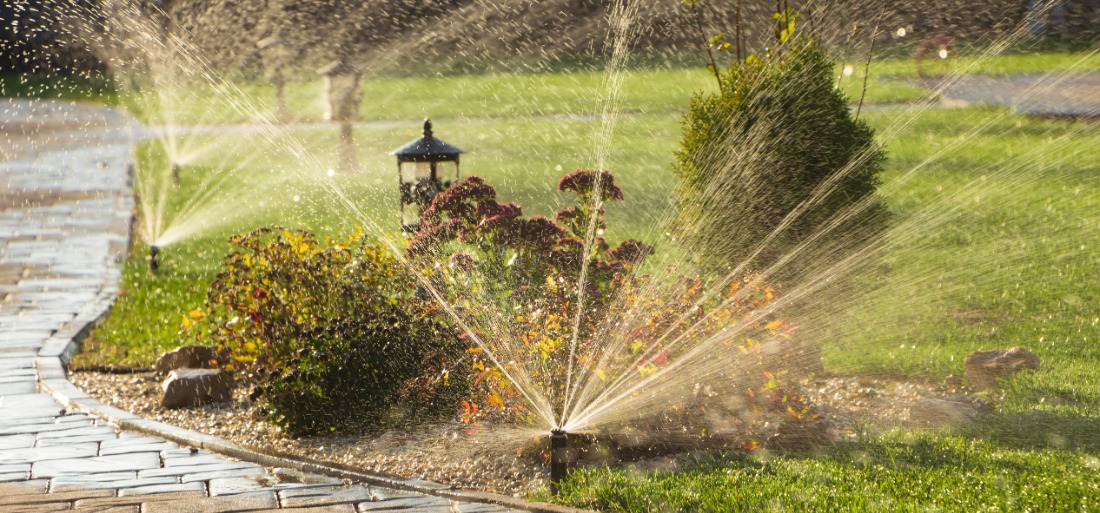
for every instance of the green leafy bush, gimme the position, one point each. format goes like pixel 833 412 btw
pixel 775 162
pixel 332 334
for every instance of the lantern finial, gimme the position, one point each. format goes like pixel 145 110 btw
pixel 427 128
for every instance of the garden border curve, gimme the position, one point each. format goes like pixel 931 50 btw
pixel 65 343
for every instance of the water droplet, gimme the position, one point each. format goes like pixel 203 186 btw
pixel 901 32
pixel 848 70
pixel 297 198
pixel 332 172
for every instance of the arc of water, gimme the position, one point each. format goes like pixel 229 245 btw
pixel 621 19
pixel 834 223
pixel 910 230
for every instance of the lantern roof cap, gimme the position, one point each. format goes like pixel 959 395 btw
pixel 428 148
pixel 339 67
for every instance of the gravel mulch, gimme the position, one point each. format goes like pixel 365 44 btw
pixel 449 454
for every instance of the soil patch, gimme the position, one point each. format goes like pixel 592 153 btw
pixel 852 408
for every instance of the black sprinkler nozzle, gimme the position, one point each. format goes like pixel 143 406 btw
pixel 154 258
pixel 559 458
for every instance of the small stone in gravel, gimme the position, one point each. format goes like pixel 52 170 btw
pixel 982 368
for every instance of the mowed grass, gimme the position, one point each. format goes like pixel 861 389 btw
pixel 997 219
pixel 899 472
pixel 577 93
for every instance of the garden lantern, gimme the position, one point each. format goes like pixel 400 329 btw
pixel 425 167
pixel 276 52
pixel 344 96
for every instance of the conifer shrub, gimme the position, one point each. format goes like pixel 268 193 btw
pixel 775 163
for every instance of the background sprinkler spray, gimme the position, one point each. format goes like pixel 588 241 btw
pixel 154 258
pixel 559 458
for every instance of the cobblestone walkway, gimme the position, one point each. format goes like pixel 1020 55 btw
pixel 65 209
pixel 1070 95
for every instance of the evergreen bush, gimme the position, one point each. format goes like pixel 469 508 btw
pixel 775 162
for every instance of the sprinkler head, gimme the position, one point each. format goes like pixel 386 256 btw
pixel 175 173
pixel 154 259
pixel 559 458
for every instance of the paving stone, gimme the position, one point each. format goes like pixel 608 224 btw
pixel 310 491
pixel 254 470
pixel 114 463
pixel 28 401
pixel 94 478
pixel 24 488
pixel 126 449
pixel 337 496
pixel 59 442
pixel 24 387
pixel 125 437
pixel 79 432
pixel 242 502
pixel 331 508
pixel 174 458
pixel 38 508
pixel 6 477
pixel 61 485
pixel 15 467
pixel 42 454
pixel 130 500
pixel 36 424
pixel 236 485
pixel 478 507
pixel 134 508
pixel 214 470
pixel 41 498
pixel 164 488
pixel 78 418
pixel 16 442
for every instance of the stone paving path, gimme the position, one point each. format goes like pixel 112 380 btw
pixel 1069 95
pixel 65 210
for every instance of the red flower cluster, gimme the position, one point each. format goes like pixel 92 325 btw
pixel 587 181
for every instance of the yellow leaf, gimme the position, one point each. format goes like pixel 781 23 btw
pixel 196 314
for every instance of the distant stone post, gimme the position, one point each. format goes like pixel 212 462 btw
pixel 342 79
pixel 275 52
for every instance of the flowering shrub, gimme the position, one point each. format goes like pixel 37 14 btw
pixel 331 332
pixel 521 277
pixel 539 297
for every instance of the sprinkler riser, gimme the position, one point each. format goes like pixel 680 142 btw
pixel 559 459
pixel 154 258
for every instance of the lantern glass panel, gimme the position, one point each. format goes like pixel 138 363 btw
pixel 422 171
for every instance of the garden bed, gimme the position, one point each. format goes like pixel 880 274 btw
pixel 852 408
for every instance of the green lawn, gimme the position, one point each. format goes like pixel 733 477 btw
pixel 899 472
pixel 1008 260
pixel 87 87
